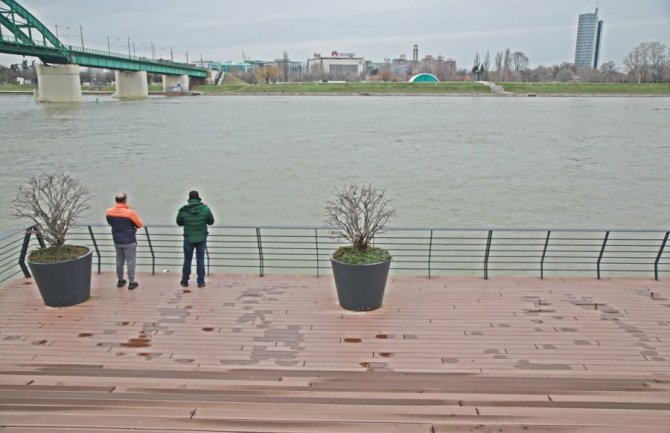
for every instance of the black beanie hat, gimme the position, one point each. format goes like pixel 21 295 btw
pixel 193 194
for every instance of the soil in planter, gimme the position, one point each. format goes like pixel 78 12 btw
pixel 60 253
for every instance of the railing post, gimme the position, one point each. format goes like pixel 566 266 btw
pixel 24 251
pixel 151 248
pixel 38 235
pixel 602 250
pixel 658 257
pixel 95 244
pixel 316 240
pixel 430 251
pixel 260 251
pixel 486 255
pixel 544 253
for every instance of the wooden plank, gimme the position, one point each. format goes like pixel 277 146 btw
pixel 95 422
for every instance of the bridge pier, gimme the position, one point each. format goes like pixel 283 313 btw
pixel 58 83
pixel 175 83
pixel 131 85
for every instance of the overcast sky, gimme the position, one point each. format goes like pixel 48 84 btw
pixel 545 30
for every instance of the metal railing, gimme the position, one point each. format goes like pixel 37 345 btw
pixel 416 251
pixel 14 246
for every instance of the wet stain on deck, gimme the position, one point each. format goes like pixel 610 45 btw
pixel 137 343
pixel 525 364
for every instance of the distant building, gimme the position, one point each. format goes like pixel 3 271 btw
pixel 589 33
pixel 401 67
pixel 449 69
pixel 227 66
pixel 293 69
pixel 337 65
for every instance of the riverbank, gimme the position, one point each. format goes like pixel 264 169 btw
pixel 407 89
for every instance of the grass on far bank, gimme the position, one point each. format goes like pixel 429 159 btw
pixel 348 88
pixel 17 87
pixel 588 88
pixel 233 85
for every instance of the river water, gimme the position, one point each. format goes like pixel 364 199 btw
pixel 275 160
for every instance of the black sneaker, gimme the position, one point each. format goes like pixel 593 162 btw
pixel 201 284
pixel 120 283
pixel 133 285
pixel 183 283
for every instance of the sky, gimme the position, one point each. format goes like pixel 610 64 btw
pixel 545 30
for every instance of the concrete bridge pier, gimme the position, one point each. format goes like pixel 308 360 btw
pixel 58 83
pixel 175 83
pixel 131 85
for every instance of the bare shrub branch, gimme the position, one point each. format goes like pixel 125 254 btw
pixel 53 202
pixel 358 213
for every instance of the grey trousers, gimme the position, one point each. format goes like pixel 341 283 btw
pixel 126 254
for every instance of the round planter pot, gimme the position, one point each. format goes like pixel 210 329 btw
pixel 360 287
pixel 63 284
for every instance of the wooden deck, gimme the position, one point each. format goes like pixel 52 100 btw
pixel 277 354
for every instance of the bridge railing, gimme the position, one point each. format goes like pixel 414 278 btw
pixel 427 251
pixel 116 55
pixel 78 51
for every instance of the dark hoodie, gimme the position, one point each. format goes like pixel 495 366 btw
pixel 195 217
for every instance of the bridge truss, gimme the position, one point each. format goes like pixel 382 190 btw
pixel 21 33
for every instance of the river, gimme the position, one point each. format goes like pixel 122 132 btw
pixel 275 160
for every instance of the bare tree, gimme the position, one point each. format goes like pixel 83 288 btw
pixel 284 66
pixel 499 64
pixel 486 64
pixel 507 63
pixel 53 202
pixel 269 74
pixel 476 61
pixel 608 71
pixel 647 62
pixel 657 60
pixel 519 61
pixel 358 213
pixel 637 63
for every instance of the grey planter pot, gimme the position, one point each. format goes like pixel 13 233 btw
pixel 64 284
pixel 360 287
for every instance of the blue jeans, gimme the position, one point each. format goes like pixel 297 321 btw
pixel 200 248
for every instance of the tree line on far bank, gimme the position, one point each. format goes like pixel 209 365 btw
pixel 649 62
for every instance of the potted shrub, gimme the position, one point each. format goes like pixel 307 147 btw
pixel 357 214
pixel 53 202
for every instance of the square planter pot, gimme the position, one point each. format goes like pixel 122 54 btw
pixel 360 287
pixel 63 284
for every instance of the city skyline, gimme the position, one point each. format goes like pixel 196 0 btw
pixel 544 31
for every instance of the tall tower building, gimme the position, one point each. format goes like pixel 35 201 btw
pixel 589 32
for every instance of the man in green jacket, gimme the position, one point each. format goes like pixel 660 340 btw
pixel 194 217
